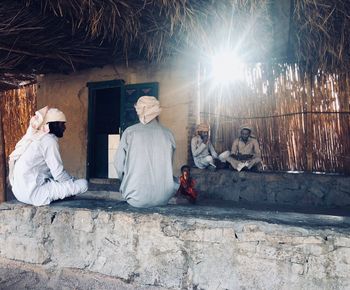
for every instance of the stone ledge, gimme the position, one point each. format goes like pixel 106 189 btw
pixel 178 247
pixel 274 188
pixel 18 275
pixel 297 189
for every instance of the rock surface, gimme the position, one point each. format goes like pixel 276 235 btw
pixel 105 244
pixel 297 189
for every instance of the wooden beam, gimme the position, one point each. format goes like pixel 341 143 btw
pixel 2 164
pixel 344 120
pixel 309 123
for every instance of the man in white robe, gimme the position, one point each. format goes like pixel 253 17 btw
pixel 203 151
pixel 143 160
pixel 36 171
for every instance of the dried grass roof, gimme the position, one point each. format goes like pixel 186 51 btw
pixel 41 36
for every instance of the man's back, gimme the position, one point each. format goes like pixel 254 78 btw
pixel 144 157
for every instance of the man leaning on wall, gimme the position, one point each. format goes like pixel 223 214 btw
pixel 203 151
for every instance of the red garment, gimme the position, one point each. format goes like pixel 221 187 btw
pixel 187 187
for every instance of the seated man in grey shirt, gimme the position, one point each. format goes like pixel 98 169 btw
pixel 245 152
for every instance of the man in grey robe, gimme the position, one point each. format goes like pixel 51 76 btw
pixel 203 151
pixel 143 160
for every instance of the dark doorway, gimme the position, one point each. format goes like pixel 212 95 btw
pixel 104 128
pixel 111 110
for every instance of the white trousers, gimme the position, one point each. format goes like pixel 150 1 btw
pixel 205 162
pixel 54 190
pixel 226 156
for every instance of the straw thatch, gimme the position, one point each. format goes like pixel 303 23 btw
pixel 40 36
pixel 322 34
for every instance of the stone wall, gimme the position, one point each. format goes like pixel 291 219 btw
pixel 300 189
pixel 162 248
pixel 176 80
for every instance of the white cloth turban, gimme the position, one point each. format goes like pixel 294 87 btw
pixel 147 109
pixel 246 127
pixel 202 127
pixel 55 115
pixel 249 128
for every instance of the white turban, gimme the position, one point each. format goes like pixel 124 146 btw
pixel 249 128
pixel 38 128
pixel 147 109
pixel 246 127
pixel 202 127
pixel 55 115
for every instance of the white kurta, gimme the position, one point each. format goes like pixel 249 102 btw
pixel 39 176
pixel 202 153
pixel 144 164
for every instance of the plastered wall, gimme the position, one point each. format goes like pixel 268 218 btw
pixel 176 79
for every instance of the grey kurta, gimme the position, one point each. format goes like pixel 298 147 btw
pixel 144 164
pixel 201 152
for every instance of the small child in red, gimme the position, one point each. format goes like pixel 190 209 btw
pixel 187 184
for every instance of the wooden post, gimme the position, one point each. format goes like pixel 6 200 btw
pixel 344 121
pixel 2 164
pixel 306 77
pixel 309 136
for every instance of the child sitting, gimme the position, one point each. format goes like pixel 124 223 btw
pixel 187 184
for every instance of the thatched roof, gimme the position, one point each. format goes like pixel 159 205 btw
pixel 42 36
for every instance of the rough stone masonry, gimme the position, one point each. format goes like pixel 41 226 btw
pixel 280 188
pixel 101 244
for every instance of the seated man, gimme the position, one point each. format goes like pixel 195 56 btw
pixel 203 151
pixel 245 152
pixel 36 171
pixel 143 160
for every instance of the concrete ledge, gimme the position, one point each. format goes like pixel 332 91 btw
pixel 280 189
pixel 297 189
pixel 174 247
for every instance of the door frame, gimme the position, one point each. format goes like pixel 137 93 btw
pixel 93 87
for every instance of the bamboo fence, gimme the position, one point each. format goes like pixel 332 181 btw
pixel 301 121
pixel 17 107
pixel 2 165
